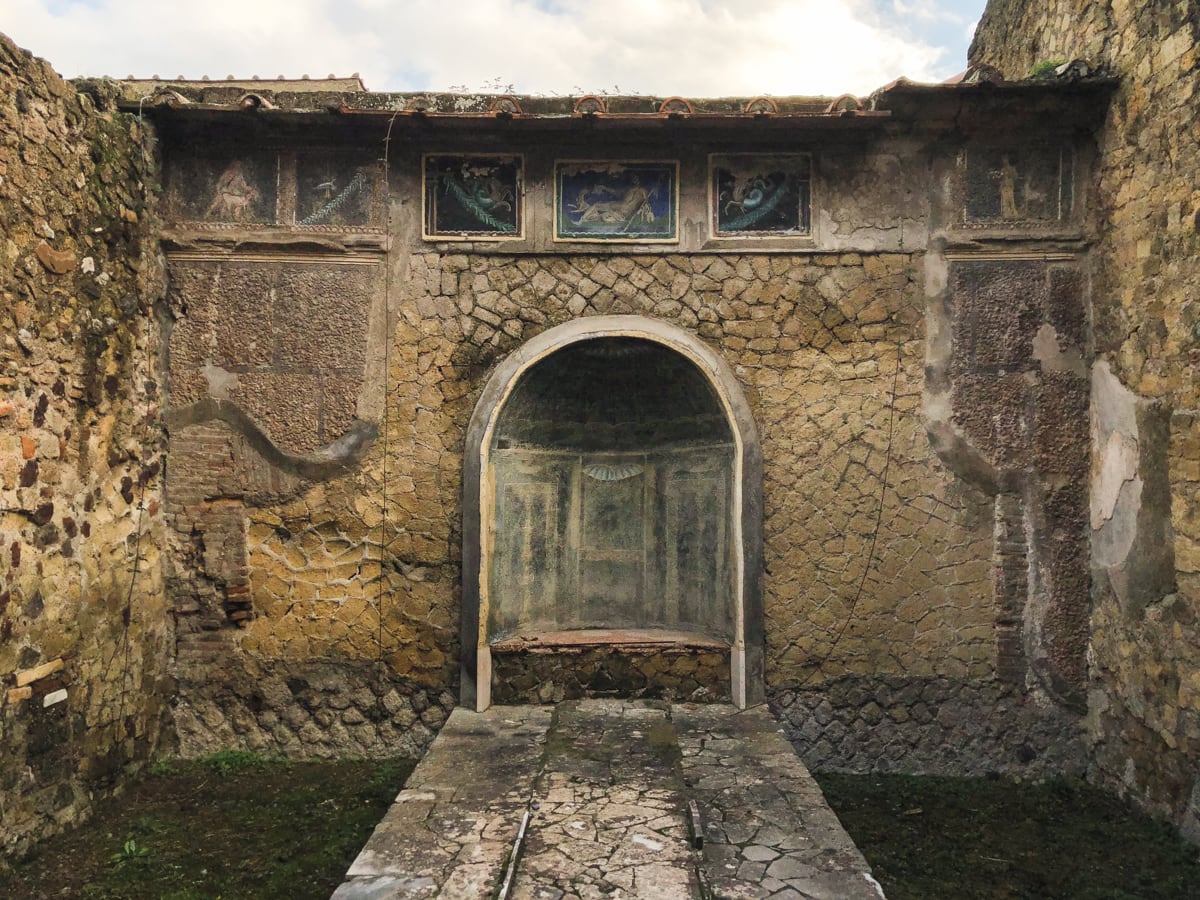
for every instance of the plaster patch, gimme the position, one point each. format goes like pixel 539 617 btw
pixel 1114 464
pixel 1114 406
pixel 1113 540
pixel 220 381
pixel 1047 352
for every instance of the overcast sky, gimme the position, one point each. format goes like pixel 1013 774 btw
pixel 691 47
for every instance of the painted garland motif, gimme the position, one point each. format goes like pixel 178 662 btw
pixel 478 200
pixel 322 215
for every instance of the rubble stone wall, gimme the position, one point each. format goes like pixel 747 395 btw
pixel 358 571
pixel 326 358
pixel 84 635
pixel 1144 722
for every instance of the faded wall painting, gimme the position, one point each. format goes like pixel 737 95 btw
pixel 760 195
pixel 1029 183
pixel 335 191
pixel 229 189
pixel 613 468
pixel 596 200
pixel 468 196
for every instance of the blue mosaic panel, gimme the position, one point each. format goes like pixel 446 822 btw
pixel 616 201
pixel 760 195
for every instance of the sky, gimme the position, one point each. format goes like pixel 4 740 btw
pixel 697 48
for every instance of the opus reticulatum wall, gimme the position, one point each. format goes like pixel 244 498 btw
pixel 341 301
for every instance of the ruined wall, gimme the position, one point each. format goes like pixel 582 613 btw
pixel 821 342
pixel 1144 720
pixel 325 363
pixel 83 625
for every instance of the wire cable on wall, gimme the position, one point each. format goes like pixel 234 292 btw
pixel 867 567
pixel 387 374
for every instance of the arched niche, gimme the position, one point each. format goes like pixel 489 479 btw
pixel 612 485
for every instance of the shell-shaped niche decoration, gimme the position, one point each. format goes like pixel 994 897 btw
pixel 606 472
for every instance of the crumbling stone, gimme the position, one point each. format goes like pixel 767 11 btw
pixel 1145 523
pixel 84 642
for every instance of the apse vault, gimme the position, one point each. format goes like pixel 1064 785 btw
pixel 612 498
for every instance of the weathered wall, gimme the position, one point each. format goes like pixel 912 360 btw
pixel 317 566
pixel 84 636
pixel 1145 512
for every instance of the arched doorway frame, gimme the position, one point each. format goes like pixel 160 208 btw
pixel 746 657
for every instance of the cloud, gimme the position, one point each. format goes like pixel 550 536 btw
pixel 689 47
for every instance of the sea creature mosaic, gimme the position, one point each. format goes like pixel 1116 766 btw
pixel 617 201
pixel 757 195
pixel 473 197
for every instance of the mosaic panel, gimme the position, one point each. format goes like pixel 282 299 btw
pixel 336 191
pixel 224 188
pixel 617 201
pixel 756 194
pixel 473 197
pixel 1033 183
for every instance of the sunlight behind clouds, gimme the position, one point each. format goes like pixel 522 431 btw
pixel 689 47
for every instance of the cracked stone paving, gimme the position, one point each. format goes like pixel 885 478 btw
pixel 626 799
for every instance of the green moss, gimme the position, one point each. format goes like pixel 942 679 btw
pixel 1046 67
pixel 233 824
pixel 229 762
pixel 929 838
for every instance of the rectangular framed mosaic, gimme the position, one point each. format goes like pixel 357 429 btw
pixel 473 197
pixel 616 201
pixel 224 190
pixel 760 195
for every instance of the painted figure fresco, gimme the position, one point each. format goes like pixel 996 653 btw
pixel 1023 184
pixel 616 201
pixel 759 194
pixel 233 196
pixel 219 189
pixel 335 192
pixel 478 197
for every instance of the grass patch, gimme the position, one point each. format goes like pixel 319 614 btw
pixel 234 824
pixel 1046 67
pixel 929 838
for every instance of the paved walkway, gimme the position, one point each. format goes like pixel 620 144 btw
pixel 613 790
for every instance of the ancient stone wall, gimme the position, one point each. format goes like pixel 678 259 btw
pixel 1144 722
pixel 84 636
pixel 910 359
pixel 824 345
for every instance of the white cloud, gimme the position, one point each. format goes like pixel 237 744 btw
pixel 689 47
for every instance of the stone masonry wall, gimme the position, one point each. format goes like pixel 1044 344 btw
pixel 358 571
pixel 1144 723
pixel 83 631
pixel 325 365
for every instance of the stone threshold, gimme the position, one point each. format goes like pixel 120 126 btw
pixel 625 638
pixel 627 799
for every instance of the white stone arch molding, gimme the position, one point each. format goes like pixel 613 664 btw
pixel 747 650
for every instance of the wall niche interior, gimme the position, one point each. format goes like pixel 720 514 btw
pixel 613 482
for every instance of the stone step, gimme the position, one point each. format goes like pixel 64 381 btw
pixel 450 830
pixel 609 785
pixel 768 831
